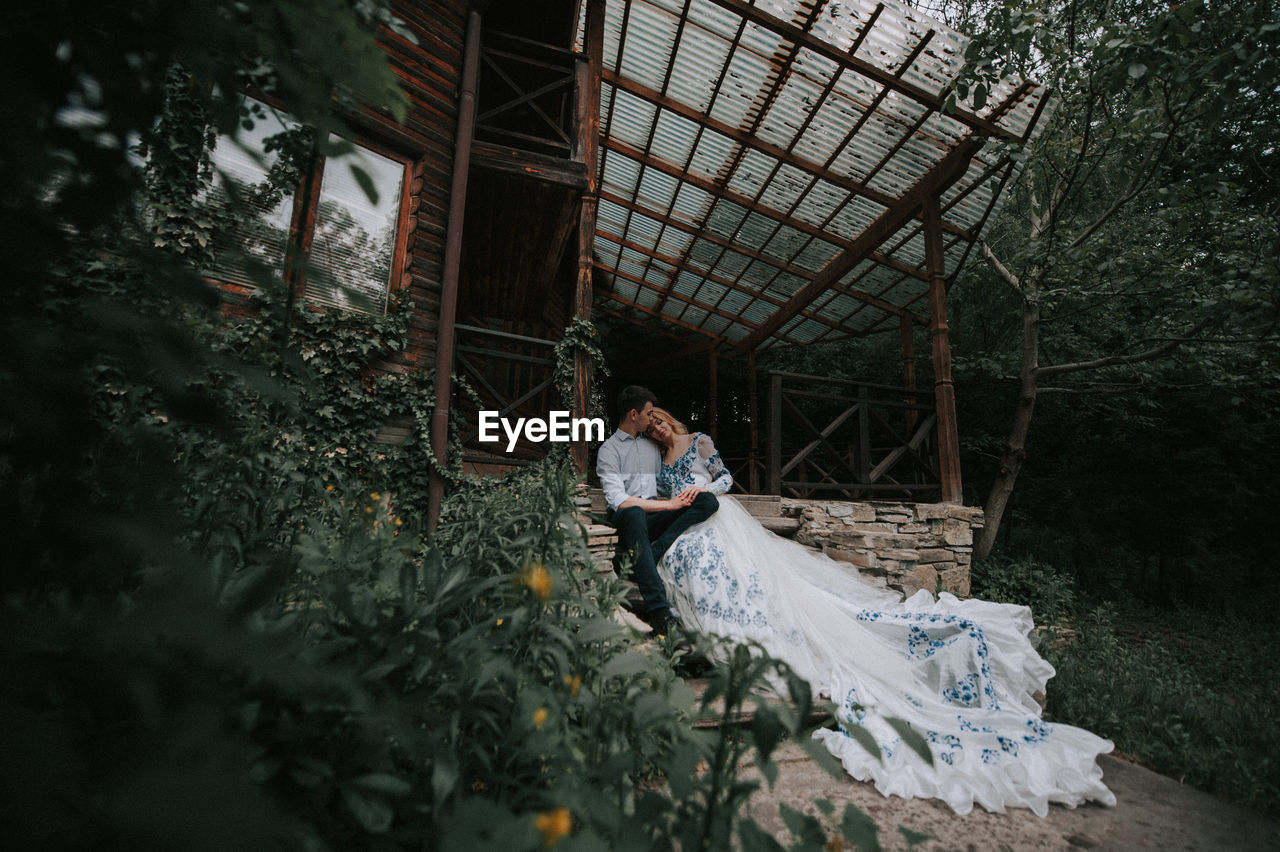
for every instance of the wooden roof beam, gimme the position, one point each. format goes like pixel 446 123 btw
pixel 718 240
pixel 679 297
pixel 740 136
pixel 651 312
pixel 707 186
pixel 934 100
pixel 763 296
pixel 935 182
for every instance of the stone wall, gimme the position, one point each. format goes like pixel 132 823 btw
pixel 912 545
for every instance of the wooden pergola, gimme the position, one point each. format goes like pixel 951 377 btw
pixel 784 173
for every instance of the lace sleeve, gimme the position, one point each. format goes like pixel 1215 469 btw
pixel 721 479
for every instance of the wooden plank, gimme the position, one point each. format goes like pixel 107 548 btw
pixel 935 182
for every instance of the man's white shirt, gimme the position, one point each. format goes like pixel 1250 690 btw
pixel 628 466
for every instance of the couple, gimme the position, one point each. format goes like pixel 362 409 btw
pixel 963 673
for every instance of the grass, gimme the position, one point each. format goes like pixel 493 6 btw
pixel 1190 694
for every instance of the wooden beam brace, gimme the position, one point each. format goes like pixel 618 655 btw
pixel 776 263
pixel 748 140
pixel 933 100
pixel 735 198
pixel 936 181
pixel 640 282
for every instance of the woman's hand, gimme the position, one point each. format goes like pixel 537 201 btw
pixel 686 496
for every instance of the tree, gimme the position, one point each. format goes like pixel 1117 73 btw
pixel 1143 225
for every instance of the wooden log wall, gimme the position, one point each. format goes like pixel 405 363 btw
pixel 429 73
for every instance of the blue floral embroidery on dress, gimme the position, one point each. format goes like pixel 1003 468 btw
pixel 700 571
pixel 966 725
pixel 990 756
pixel 1008 745
pixel 675 477
pixel 921 644
pixel 964 693
pixel 1039 731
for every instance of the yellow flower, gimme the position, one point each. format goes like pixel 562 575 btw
pixel 574 683
pixel 328 488
pixel 399 522
pixel 539 717
pixel 500 622
pixel 368 510
pixel 553 825
pixel 536 577
pixel 375 496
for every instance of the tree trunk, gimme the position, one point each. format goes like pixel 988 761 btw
pixel 1014 453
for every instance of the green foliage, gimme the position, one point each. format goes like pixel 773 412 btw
pixel 223 628
pixel 581 338
pixel 362 688
pixel 1188 694
pixel 1050 594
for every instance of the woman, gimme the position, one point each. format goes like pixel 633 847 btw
pixel 962 672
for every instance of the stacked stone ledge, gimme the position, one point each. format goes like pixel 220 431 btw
pixel 913 546
pixel 907 546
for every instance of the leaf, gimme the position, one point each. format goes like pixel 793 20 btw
pixel 766 730
pixel 756 839
pixel 1137 69
pixel 806 828
pixel 914 838
pixel 444 776
pixel 980 96
pixel 373 814
pixel 823 757
pixel 381 782
pixel 623 665
pixel 860 829
pixel 863 738
pixel 912 738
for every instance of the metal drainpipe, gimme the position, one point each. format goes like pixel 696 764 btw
pixel 452 261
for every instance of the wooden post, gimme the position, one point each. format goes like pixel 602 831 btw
pixel 864 436
pixel 713 394
pixel 587 148
pixel 907 339
pixel 452 261
pixel 943 390
pixel 753 413
pixel 773 475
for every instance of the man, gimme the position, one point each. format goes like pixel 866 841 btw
pixel 628 465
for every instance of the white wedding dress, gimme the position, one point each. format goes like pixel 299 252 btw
pixel 962 672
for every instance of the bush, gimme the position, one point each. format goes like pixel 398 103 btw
pixel 1050 594
pixel 1188 696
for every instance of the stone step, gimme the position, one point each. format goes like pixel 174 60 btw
pixel 715 716
pixel 757 505
pixel 781 526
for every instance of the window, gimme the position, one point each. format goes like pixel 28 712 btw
pixel 350 239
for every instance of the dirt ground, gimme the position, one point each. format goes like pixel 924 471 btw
pixel 1151 812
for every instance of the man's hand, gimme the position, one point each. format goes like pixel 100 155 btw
pixel 677 502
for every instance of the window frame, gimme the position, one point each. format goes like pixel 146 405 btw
pixel 363 133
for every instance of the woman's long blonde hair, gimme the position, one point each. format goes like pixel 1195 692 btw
pixel 662 414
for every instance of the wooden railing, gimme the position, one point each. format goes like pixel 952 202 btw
pixel 874 441
pixel 513 375
pixel 527 95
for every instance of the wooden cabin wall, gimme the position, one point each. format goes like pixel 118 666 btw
pixel 430 73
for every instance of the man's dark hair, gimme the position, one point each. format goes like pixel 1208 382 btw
pixel 634 396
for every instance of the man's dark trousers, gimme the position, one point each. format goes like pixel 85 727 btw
pixel 648 535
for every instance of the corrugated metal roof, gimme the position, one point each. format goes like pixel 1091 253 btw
pixel 749 146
